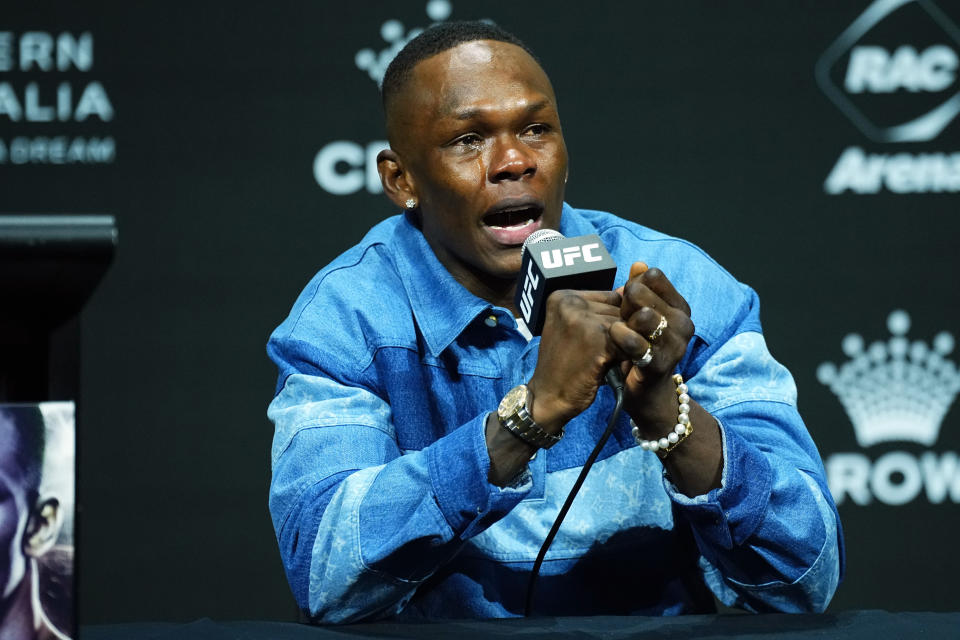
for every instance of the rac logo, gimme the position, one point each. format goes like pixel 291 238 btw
pixel 876 70
pixel 895 88
pixel 555 258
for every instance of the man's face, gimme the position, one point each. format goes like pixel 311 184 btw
pixel 478 132
pixel 14 509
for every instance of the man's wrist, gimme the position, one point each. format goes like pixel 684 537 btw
pixel 546 412
pixel 509 454
pixel 656 410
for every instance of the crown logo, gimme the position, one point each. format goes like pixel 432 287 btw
pixel 393 33
pixel 894 390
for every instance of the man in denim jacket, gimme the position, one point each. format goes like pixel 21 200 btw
pixel 400 489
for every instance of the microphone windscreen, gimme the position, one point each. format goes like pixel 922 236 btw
pixel 542 235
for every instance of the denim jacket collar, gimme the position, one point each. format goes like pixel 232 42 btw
pixel 443 307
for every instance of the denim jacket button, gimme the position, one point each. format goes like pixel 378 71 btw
pixel 490 321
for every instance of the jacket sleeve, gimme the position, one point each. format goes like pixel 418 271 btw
pixel 360 524
pixel 770 536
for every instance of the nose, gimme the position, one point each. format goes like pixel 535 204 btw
pixel 512 160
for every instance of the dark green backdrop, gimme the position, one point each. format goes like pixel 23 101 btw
pixel 702 119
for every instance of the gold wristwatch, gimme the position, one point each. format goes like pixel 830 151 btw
pixel 514 415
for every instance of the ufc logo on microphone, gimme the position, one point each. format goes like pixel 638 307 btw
pixel 529 286
pixel 552 259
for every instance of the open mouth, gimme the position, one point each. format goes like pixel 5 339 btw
pixel 512 218
pixel 510 225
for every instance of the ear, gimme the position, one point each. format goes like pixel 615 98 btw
pixel 43 526
pixel 396 180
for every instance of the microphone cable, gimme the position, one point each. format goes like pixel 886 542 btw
pixel 615 381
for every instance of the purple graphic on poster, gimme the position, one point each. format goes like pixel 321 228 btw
pixel 37 497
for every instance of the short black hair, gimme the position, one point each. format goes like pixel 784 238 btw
pixel 31 442
pixel 437 39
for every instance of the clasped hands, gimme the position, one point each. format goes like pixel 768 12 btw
pixel 587 332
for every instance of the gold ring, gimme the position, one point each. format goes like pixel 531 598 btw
pixel 659 330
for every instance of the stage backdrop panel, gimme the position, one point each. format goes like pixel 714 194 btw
pixel 813 148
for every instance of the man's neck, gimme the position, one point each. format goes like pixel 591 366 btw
pixel 497 291
pixel 499 297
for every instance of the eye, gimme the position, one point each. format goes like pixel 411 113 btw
pixel 536 130
pixel 468 140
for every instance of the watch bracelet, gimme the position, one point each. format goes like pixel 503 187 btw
pixel 532 434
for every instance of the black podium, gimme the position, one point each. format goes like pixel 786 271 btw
pixel 49 267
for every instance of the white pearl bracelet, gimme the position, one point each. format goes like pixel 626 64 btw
pixel 680 432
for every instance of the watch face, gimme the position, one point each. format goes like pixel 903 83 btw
pixel 515 398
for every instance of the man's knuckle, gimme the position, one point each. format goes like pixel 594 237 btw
pixel 560 299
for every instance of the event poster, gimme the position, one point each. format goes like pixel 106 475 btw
pixel 37 508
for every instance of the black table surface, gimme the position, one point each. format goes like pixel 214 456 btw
pixel 867 625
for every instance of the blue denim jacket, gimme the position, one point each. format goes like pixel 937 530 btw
pixel 379 495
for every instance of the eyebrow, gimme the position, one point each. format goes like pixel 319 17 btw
pixel 473 112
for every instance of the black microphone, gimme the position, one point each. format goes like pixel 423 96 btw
pixel 552 262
